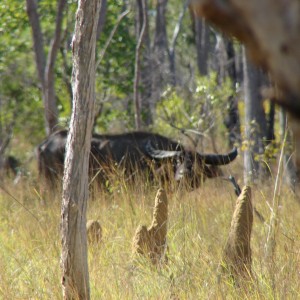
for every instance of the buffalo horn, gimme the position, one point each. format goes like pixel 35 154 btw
pixel 160 154
pixel 219 159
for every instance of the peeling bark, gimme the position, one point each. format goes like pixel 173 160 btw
pixel 75 277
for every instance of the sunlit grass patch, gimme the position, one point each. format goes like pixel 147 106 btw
pixel 198 226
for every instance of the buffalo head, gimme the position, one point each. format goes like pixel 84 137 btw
pixel 193 167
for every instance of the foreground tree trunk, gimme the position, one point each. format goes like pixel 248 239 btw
pixel 75 277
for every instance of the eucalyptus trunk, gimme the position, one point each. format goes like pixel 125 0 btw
pixel 75 277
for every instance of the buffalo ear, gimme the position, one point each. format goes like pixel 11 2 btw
pixel 159 154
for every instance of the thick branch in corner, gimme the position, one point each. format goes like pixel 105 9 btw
pixel 270 31
pixel 228 19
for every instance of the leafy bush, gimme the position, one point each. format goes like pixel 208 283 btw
pixel 200 110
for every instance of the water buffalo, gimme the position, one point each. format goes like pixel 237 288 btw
pixel 134 153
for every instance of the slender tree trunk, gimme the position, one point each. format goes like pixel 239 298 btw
pixel 232 121
pixel 141 31
pixel 37 36
pixel 146 64
pixel 172 56
pixel 202 45
pixel 6 133
pixel 75 277
pixel 160 50
pixel 290 177
pixel 270 123
pixel 255 122
pixel 147 97
pixel 160 38
pixel 45 67
pixel 49 80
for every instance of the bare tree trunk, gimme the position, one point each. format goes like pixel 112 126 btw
pixel 255 122
pixel 160 49
pixel 6 133
pixel 172 47
pixel 270 135
pixel 75 277
pixel 49 80
pixel 146 64
pixel 202 45
pixel 232 120
pixel 290 170
pixel 147 97
pixel 137 67
pixel 38 44
pixel 45 67
pixel 160 39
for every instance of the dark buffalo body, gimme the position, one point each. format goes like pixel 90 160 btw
pixel 10 166
pixel 133 153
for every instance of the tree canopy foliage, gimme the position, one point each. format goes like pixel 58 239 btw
pixel 199 105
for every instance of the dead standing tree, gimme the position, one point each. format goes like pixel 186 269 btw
pixel 75 277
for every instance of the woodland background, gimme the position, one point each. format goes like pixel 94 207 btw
pixel 160 69
pixel 191 78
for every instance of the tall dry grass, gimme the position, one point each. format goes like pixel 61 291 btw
pixel 198 227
